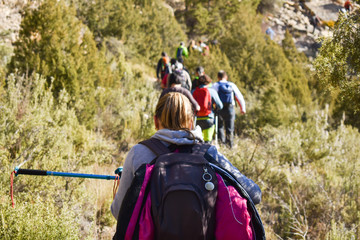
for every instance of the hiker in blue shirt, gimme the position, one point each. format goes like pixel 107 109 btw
pixel 270 33
pixel 228 93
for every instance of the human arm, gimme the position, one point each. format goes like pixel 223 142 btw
pixel 239 98
pixel 158 70
pixel 137 156
pixel 250 186
pixel 216 99
pixel 164 81
pixel 188 80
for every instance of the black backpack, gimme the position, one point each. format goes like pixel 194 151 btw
pixel 183 189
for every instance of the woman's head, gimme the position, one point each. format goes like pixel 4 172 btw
pixel 174 112
pixel 205 80
pixel 176 78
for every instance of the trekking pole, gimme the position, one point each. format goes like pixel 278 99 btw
pixel 66 174
pixel 216 129
pixel 33 172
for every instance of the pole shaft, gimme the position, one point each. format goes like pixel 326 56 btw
pixel 80 175
pixel 63 174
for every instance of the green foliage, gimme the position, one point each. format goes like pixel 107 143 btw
pixel 146 28
pixel 45 133
pixel 37 220
pixel 5 56
pixel 273 78
pixel 212 63
pixel 338 67
pixel 265 69
pixel 309 176
pixel 339 232
pixel 55 44
pixel 266 6
pixel 308 171
pixel 290 50
pixel 121 118
pixel 208 23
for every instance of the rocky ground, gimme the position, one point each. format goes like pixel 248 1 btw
pixel 10 19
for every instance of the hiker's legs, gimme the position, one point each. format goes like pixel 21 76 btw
pixel 208 133
pixel 208 127
pixel 228 116
pixel 229 125
pixel 221 133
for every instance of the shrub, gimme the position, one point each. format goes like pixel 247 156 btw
pixel 47 135
pixel 308 174
pixel 55 44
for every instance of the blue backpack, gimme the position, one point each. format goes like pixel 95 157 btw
pixel 179 52
pixel 225 93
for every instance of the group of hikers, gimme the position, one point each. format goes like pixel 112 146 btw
pixel 176 185
pixel 213 103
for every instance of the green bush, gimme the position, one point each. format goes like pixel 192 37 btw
pixel 308 174
pixel 47 135
pixel 55 44
pixel 147 28
pixel 36 220
pixel 338 67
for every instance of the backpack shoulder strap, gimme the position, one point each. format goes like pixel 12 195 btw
pixel 201 148
pixel 156 146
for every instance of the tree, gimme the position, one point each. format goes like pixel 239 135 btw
pixel 338 66
pixel 55 44
pixel 269 72
pixel 146 27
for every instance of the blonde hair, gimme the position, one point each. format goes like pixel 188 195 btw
pixel 174 111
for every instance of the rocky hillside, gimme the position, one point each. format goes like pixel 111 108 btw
pixel 10 19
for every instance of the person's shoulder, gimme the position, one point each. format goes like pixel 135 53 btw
pixel 140 148
pixel 182 90
pixel 213 152
pixel 165 91
pixel 233 85
pixel 212 91
pixel 141 154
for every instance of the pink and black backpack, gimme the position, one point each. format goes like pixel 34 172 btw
pixel 184 194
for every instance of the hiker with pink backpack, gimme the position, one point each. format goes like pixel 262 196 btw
pixel 174 186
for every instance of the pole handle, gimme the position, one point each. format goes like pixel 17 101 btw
pixel 30 172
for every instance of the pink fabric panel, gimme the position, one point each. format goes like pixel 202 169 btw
pixel 232 216
pixel 146 229
pixel 131 227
